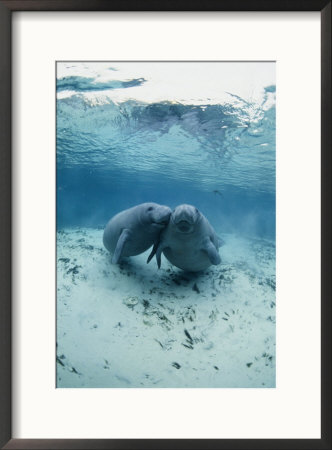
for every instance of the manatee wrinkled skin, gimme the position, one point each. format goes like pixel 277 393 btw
pixel 134 230
pixel 189 242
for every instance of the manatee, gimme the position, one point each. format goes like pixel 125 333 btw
pixel 189 242
pixel 134 230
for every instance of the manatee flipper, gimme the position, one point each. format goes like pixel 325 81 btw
pixel 123 238
pixel 221 242
pixel 212 252
pixel 158 256
pixel 159 249
pixel 153 252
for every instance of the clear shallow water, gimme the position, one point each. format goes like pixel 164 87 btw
pixel 133 326
pixel 111 155
pixel 129 136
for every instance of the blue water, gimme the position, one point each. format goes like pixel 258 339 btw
pixel 128 135
pixel 218 157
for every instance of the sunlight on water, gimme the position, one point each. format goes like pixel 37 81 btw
pixel 210 145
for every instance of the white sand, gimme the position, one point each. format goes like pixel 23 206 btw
pixel 132 325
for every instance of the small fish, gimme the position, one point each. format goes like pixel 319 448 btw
pixel 176 365
pixel 217 192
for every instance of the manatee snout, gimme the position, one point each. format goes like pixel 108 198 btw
pixel 184 217
pixel 160 215
pixel 184 226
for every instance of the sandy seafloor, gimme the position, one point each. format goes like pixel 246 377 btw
pixel 134 326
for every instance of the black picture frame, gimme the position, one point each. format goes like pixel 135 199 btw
pixel 6 9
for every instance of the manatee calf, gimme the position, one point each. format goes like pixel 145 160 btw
pixel 134 230
pixel 189 241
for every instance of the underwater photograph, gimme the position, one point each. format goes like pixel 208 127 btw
pixel 166 224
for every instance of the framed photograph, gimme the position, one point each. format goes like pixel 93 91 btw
pixel 165 225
